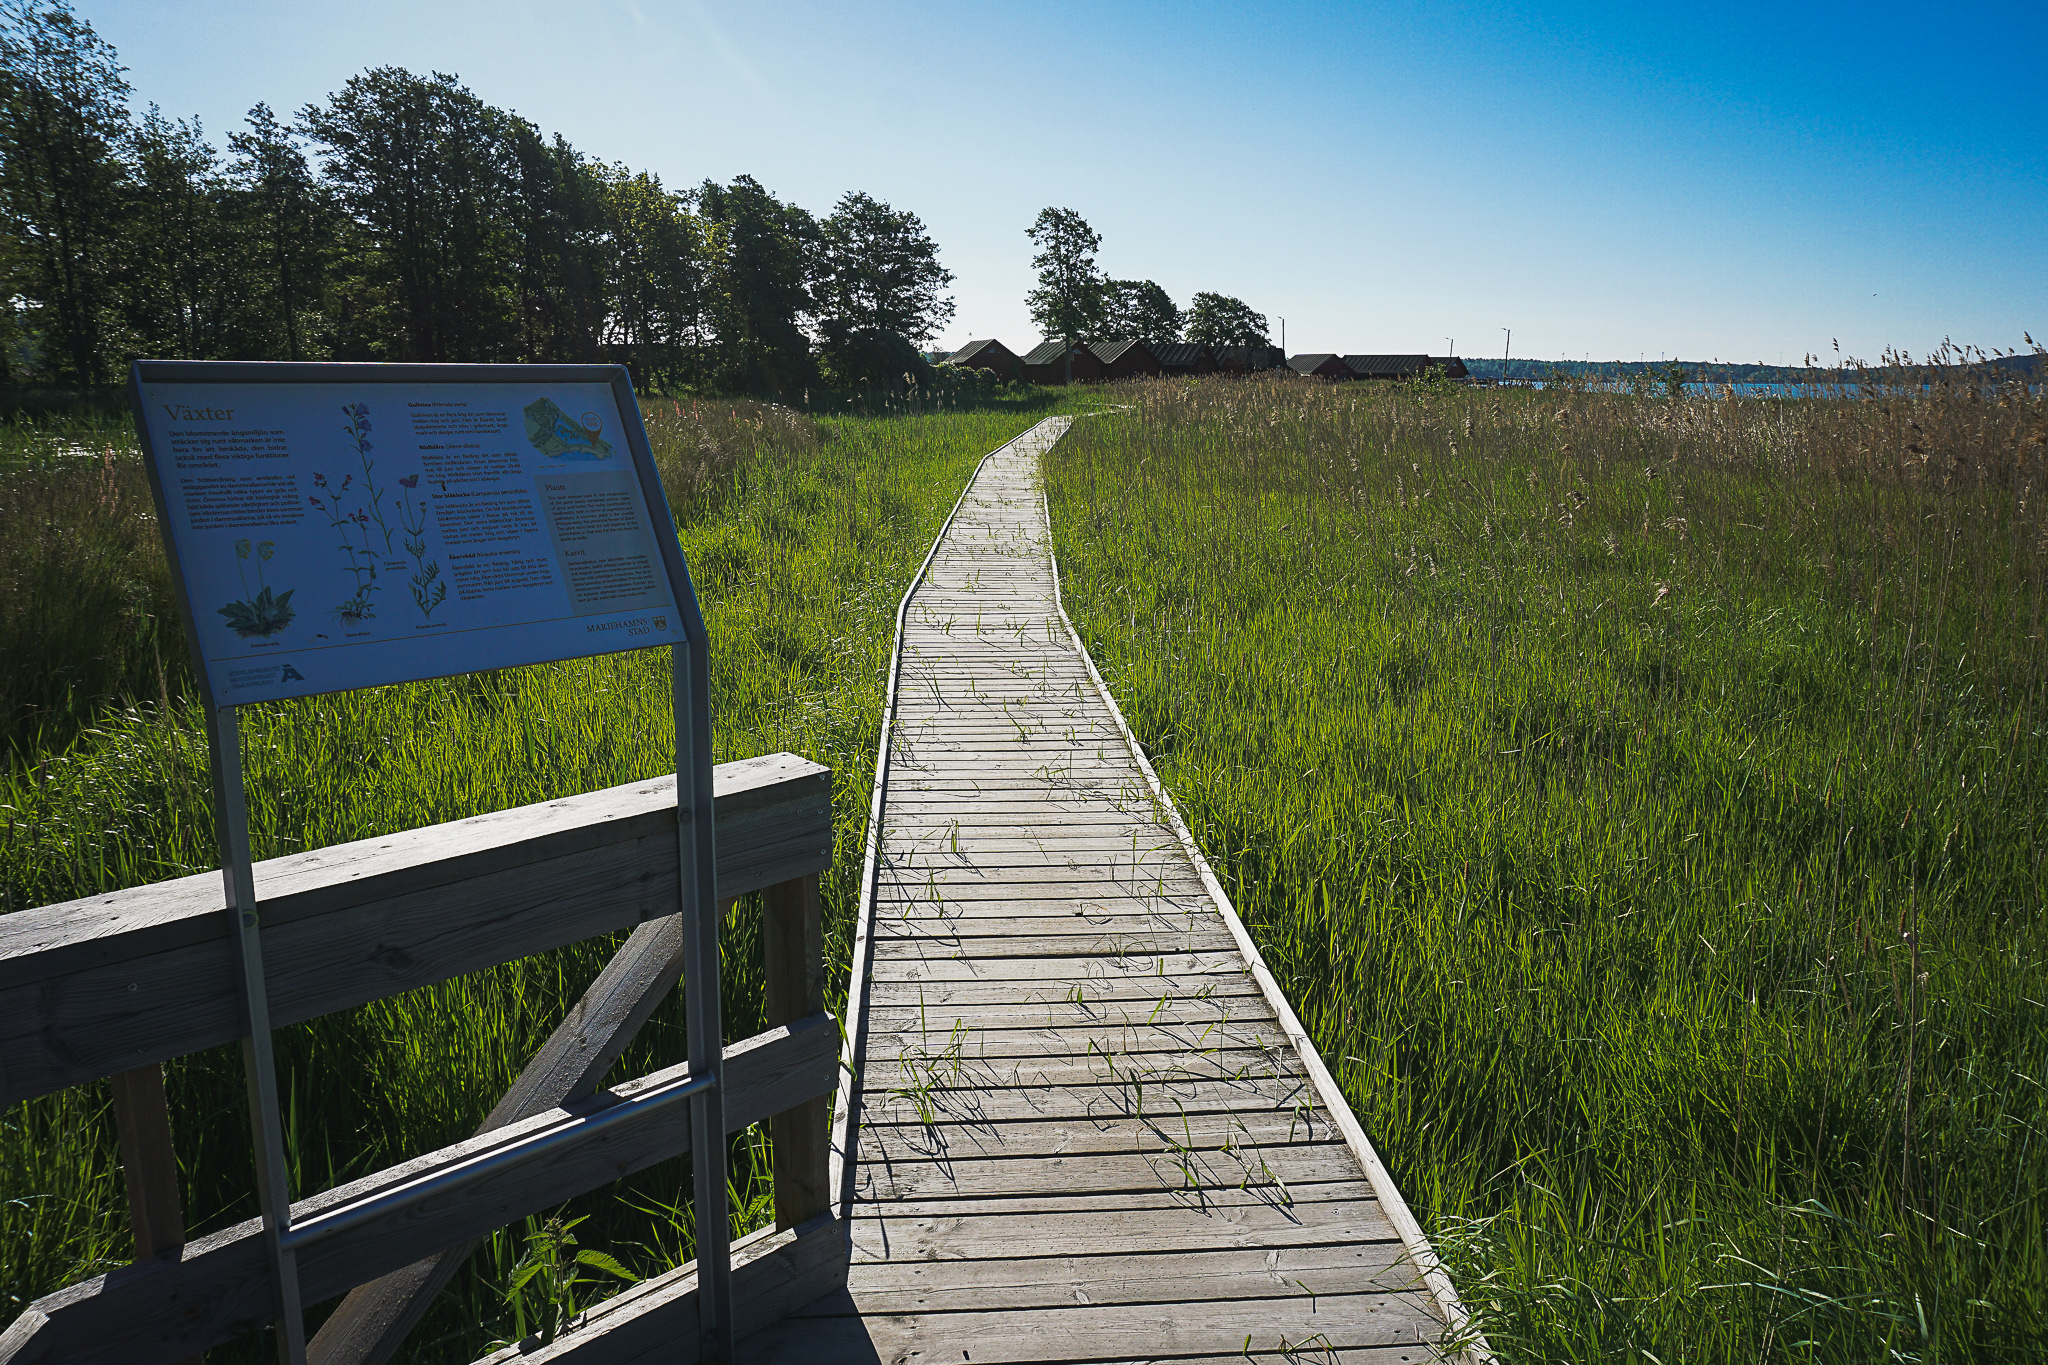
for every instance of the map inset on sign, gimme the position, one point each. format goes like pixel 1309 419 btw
pixel 553 433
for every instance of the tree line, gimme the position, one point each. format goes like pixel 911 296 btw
pixel 1078 303
pixel 405 219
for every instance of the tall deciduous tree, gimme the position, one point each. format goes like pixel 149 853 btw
pixel 292 227
pixel 185 270
pixel 879 271
pixel 1141 309
pixel 558 267
pixel 63 124
pixel 657 258
pixel 1219 320
pixel 424 168
pixel 761 288
pixel 1067 304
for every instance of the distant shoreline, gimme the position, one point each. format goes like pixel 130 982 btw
pixel 1721 372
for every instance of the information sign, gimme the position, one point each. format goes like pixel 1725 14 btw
pixel 341 526
pixel 335 535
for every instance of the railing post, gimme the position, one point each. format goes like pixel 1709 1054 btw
pixel 149 1164
pixel 793 942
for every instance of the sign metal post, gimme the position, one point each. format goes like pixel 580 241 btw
pixel 503 526
pixel 259 1067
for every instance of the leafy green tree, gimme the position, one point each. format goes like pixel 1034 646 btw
pixel 1141 309
pixel 870 358
pixel 292 227
pixel 879 271
pixel 1219 320
pixel 185 270
pixel 558 275
pixel 1068 302
pixel 16 344
pixel 760 287
pixel 425 170
pixel 63 124
pixel 658 255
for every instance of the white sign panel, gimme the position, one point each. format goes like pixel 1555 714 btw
pixel 340 535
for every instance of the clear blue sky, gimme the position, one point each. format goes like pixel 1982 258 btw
pixel 1728 181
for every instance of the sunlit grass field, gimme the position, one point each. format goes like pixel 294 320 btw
pixel 1637 798
pixel 802 535
pixel 1641 802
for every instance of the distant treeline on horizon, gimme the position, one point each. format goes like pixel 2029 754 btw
pixel 404 219
pixel 1722 372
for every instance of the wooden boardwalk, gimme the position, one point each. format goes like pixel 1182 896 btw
pixel 1089 1128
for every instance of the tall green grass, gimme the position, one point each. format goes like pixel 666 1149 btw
pixel 801 533
pixel 1641 802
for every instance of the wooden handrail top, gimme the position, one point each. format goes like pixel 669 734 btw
pixel 107 983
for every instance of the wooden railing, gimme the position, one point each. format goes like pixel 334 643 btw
pixel 114 985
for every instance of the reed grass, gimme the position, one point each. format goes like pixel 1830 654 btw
pixel 1640 801
pixel 801 533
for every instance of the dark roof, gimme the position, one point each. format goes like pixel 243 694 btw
pixel 1180 354
pixel 1109 352
pixel 1249 357
pixel 973 349
pixel 1309 364
pixel 1387 366
pixel 1403 366
pixel 1045 353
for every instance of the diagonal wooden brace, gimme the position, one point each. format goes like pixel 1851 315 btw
pixel 372 1322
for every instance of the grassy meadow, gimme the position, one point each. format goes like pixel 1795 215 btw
pixel 802 534
pixel 1640 800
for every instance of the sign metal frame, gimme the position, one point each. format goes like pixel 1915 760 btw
pixel 691 703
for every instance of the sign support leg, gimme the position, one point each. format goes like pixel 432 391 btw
pixel 701 999
pixel 266 1123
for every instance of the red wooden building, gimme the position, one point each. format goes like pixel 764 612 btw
pixel 1047 363
pixel 1404 366
pixel 1125 359
pixel 1321 365
pixel 1184 357
pixel 989 355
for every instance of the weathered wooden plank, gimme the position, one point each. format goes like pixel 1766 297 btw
pixel 1058 963
pixel 1085 897
pixel 913 1036
pixel 937 1093
pixel 1227 1204
pixel 1050 878
pixel 989 924
pixel 114 982
pixel 793 943
pixel 1274 1139
pixel 971 1069
pixel 903 1173
pixel 1070 1003
pixel 217 1288
pixel 1099 1172
pixel 149 1164
pixel 997 845
pixel 1126 940
pixel 1144 1275
pixel 1351 1327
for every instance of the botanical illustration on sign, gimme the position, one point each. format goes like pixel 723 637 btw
pixel 364 520
pixel 262 615
pixel 428 591
pixel 553 434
